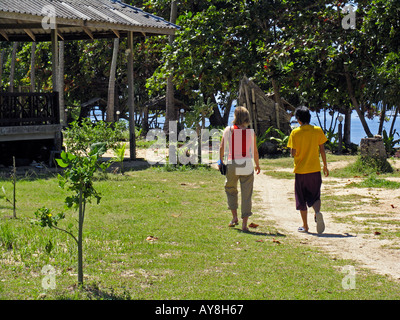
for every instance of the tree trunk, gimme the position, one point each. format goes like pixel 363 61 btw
pixel 170 112
pixel 382 119
pixel 391 133
pixel 347 128
pixel 355 102
pixel 145 124
pixel 278 100
pixel 216 119
pixel 111 83
pixel 225 117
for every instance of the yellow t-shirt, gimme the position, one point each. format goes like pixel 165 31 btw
pixel 306 140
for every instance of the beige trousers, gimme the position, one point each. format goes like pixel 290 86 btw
pixel 246 189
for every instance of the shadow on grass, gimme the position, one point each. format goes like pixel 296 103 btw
pixel 93 292
pixel 43 172
pixel 257 233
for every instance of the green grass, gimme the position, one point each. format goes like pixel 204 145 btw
pixel 373 181
pixel 342 203
pixel 273 166
pixel 194 256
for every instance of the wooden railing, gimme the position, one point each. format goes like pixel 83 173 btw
pixel 24 109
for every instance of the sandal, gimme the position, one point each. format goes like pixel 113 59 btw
pixel 302 229
pixel 233 223
pixel 320 222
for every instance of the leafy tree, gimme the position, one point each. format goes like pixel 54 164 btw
pixel 382 25
pixel 82 159
pixel 80 136
pixel 78 178
pixel 296 49
pixel 209 55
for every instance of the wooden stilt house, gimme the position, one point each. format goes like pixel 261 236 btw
pixel 32 122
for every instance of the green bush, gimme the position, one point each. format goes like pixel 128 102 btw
pixel 79 136
pixel 369 165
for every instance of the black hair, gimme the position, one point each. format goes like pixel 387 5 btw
pixel 303 114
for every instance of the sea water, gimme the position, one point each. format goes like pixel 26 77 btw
pixel 356 130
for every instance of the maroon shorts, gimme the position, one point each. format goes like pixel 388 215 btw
pixel 307 189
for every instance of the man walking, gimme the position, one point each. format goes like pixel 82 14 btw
pixel 307 143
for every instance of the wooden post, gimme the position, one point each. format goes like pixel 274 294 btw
pixel 170 109
pixel 33 49
pixel 60 83
pixel 111 83
pixel 131 101
pixel 54 58
pixel 14 187
pixel 1 65
pixel 12 67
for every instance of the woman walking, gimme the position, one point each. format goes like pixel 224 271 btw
pixel 241 146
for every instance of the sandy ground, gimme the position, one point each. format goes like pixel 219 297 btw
pixel 275 201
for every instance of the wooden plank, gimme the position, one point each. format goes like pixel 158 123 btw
pixel 88 32
pixel 117 33
pixel 30 34
pixel 5 35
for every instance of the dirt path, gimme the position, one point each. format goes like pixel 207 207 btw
pixel 276 202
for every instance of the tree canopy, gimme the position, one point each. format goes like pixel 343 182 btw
pixel 298 49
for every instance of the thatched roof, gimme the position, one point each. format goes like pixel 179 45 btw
pixel 264 112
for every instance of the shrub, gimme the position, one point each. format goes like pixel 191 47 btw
pixel 368 165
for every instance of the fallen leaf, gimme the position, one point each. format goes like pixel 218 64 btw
pixel 393 206
pixel 151 238
pixel 276 241
pixel 377 233
pixel 253 225
pixel 176 215
pixel 260 240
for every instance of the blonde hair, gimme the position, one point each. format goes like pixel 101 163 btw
pixel 241 117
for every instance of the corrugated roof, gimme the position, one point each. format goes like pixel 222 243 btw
pixel 98 15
